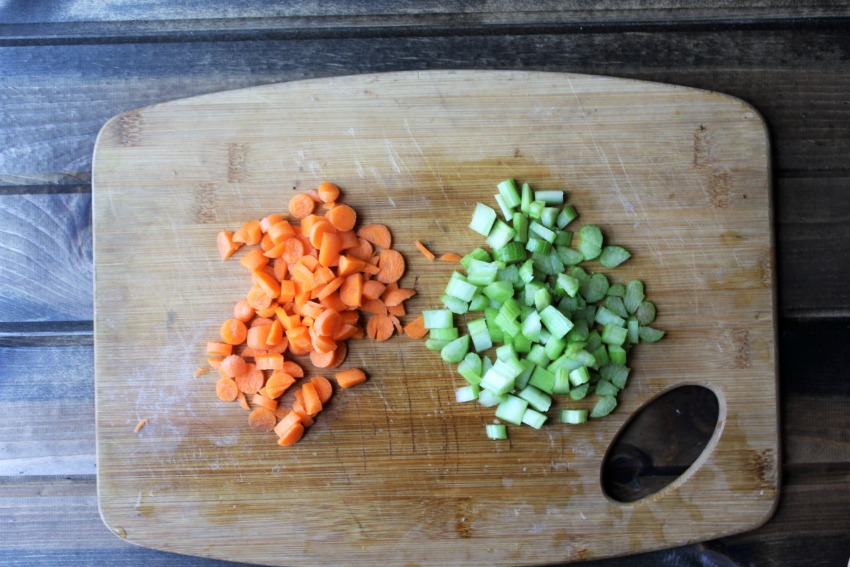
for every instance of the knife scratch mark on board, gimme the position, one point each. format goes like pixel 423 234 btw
pixel 435 172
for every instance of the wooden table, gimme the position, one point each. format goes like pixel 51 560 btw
pixel 65 70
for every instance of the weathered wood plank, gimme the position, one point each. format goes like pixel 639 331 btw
pixel 54 522
pixel 493 11
pixel 45 257
pixel 55 98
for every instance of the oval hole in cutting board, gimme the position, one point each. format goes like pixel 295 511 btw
pixel 659 443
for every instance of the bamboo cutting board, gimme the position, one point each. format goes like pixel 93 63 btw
pixel 394 471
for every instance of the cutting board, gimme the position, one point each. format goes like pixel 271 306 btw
pixel 394 472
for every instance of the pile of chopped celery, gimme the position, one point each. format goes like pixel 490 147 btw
pixel 554 327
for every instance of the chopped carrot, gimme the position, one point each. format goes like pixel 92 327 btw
pixel 271 361
pixel 328 192
pixel 327 323
pixel 416 328
pixel 281 231
pixel 293 250
pixel 275 335
pixel 391 264
pixel 374 306
pixel 258 335
pixel 363 250
pixel 278 383
pixel 262 419
pixel 257 298
pixel 233 366
pixel 249 233
pixel 298 408
pixel 266 243
pixel 339 354
pixel 351 292
pixel 299 341
pixel 226 389
pixel 253 260
pixel 290 419
pixel 349 239
pixel 307 226
pixel 242 311
pixel 318 231
pixel 225 244
pixel 293 369
pixel 330 287
pixel 142 423
pixel 301 205
pixel 345 332
pixel 424 249
pixel 262 322
pixel 373 289
pixel 450 257
pixel 397 310
pixel 342 217
pixel 322 359
pixel 323 388
pixel 379 327
pixel 270 221
pixel 292 435
pixel 348 265
pixel 350 377
pixel 312 402
pixel 259 399
pixel 394 297
pixel 214 363
pixel 396 323
pixel 234 332
pixel 252 380
pixel 334 302
pixel 377 234
pixel 242 400
pixel 219 349
pixel 268 283
pixel 329 250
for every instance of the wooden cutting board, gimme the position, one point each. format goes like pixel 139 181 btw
pixel 395 472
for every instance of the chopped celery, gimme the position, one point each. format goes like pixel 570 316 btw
pixel 604 406
pixel 496 383
pixel 496 431
pixel 437 319
pixel 577 393
pixel 645 313
pixel 564 238
pixel 542 379
pixel 555 321
pixel 531 326
pixel 605 388
pixel 601 356
pixel 617 290
pixel 541 232
pixel 633 331
pixel 505 352
pixel 489 399
pixel 615 305
pixel 568 215
pixel 549 217
pixel 591 241
pixel 574 416
pixel 511 409
pixel 535 209
pixel 567 284
pixel 617 354
pixel 526 271
pixel 550 197
pixel 480 335
pixel 490 315
pixel 526 198
pixel 520 227
pixel 479 302
pixel 507 189
pixel 634 295
pixel 500 291
pixel 448 334
pixel 454 304
pixel 614 335
pixel 507 212
pixel 480 273
pixel 613 256
pixel 649 335
pixel 537 355
pixel 536 398
pixel 569 256
pixel 579 376
pixel 510 253
pixel 533 418
pixel 537 245
pixel 501 234
pixel 605 316
pixel 554 347
pixel 466 393
pixel 597 288
pixel 615 373
pixel 461 289
pixel 521 344
pixel 436 344
pixel 454 351
pixel 478 254
pixel 562 382
pixel 482 219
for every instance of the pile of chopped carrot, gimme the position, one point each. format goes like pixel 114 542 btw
pixel 313 277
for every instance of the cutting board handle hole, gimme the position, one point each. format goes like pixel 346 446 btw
pixel 661 442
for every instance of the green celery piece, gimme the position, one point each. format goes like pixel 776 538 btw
pixel 508 191
pixel 510 253
pixel 533 418
pixel 466 393
pixel 538 399
pixel 507 211
pixel 605 316
pixel 542 299
pixel 461 289
pixel 454 351
pixel 483 218
pixel 579 376
pixel 555 321
pixel 479 302
pixel 521 227
pixel 531 326
pixel 633 331
pixel 568 256
pixel 501 234
pixel 604 406
pixel 634 295
pixel 481 339
pixel 613 256
pixel 478 254
pixel 537 355
pixel 550 196
pixel 573 416
pixel 567 284
pixel 542 379
pixel 601 356
pixel 615 373
pixel 617 290
pixel 488 399
pixel 564 238
pixel 526 271
pixel 496 431
pixel 597 288
pixel 579 392
pixel 541 232
pixel 614 335
pixel 526 198
pixel 649 335
pixel 455 305
pixel 528 367
pixel 437 319
pixel 449 334
pixel 479 272
pixel 590 245
pixel 549 217
pixel 535 209
pixel 490 315
pixel 562 382
pixel 645 313
pixel 436 344
pixel 605 388
pixel 511 409
pixel 554 347
pixel 615 305
pixel 617 354
pixel 568 214
pixel 499 290
pixel 521 344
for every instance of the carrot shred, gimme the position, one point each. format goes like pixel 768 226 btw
pixel 450 257
pixel 142 423
pixel 425 252
pixel 200 371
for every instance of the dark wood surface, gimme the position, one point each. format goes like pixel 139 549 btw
pixel 68 66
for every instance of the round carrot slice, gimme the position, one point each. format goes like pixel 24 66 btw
pixel 318 230
pixel 301 205
pixel 328 192
pixel 262 419
pixel 323 388
pixel 339 355
pixel 233 366
pixel 252 380
pixel 226 389
pixel 234 332
pixel 292 436
pixel 342 217
pixel 242 311
pixel 391 264
pixel 322 359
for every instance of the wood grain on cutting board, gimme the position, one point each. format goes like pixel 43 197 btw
pixel 394 471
